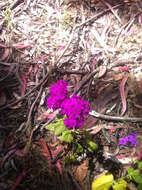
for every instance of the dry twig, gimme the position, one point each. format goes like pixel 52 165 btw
pixel 115 118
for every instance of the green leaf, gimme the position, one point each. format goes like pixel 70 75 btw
pixel 139 186
pixel 56 124
pixel 90 149
pixel 66 136
pixel 50 127
pixel 120 184
pixel 79 148
pixel 103 183
pixel 60 129
pixel 92 146
pixel 70 158
pixel 136 176
pixel 130 170
pixel 136 162
pixel 140 165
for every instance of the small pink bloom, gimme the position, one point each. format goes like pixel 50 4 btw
pixel 61 48
pixel 121 156
pixel 95 62
pixel 111 129
pixel 126 68
pixel 41 59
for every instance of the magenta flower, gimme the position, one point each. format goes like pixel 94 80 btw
pixel 59 89
pixel 58 93
pixel 129 139
pixel 75 109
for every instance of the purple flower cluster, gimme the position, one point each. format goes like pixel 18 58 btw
pixel 58 93
pixel 74 108
pixel 129 139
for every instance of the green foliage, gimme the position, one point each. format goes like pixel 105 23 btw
pixel 79 141
pixel 59 129
pixel 67 136
pixel 135 174
pixel 70 158
pixel 92 146
pixel 120 184
pixel 82 140
pixel 139 164
pixel 107 181
pixel 139 186
pixel 79 148
pixel 103 183
pixel 56 124
pixel 51 127
pixel 130 172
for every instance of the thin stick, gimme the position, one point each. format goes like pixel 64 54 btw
pixel 115 118
pixel 31 109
